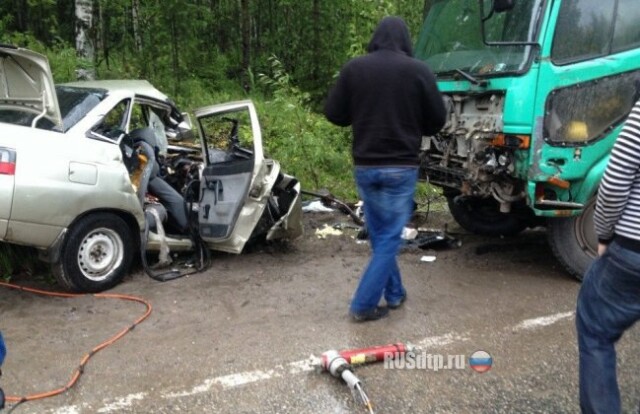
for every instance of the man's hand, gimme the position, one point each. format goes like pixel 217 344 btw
pixel 601 248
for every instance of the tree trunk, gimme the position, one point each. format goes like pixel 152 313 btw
pixel 135 13
pixel 21 18
pixel 101 37
pixel 84 39
pixel 315 72
pixel 245 21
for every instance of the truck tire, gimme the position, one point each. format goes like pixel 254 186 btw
pixel 482 216
pixel 96 255
pixel 574 241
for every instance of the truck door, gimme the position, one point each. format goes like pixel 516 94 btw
pixel 230 188
pixel 589 77
pixel 7 173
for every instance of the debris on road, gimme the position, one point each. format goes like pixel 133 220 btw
pixel 409 233
pixel 316 206
pixel 327 230
pixel 436 240
pixel 329 200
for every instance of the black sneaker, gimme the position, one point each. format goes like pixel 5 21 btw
pixel 372 315
pixel 397 304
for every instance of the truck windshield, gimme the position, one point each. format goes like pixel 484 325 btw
pixel 451 37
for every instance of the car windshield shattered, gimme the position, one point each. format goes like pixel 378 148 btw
pixel 450 40
pixel 74 104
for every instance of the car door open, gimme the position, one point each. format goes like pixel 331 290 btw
pixel 232 150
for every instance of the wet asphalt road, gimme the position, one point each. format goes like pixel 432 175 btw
pixel 243 338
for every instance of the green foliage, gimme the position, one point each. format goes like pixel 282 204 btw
pixel 15 259
pixel 6 261
pixel 169 41
pixel 429 198
pixel 65 63
pixel 303 141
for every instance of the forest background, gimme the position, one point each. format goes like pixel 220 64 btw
pixel 282 54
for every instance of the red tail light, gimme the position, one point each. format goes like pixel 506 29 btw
pixel 7 161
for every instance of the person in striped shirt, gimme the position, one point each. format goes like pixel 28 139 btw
pixel 609 298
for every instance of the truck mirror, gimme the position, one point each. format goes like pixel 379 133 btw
pixel 500 6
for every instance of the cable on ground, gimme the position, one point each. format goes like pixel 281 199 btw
pixel 77 373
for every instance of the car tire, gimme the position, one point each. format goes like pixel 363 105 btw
pixel 482 216
pixel 96 255
pixel 574 241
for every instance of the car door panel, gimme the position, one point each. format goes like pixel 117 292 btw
pixel 225 187
pixel 233 196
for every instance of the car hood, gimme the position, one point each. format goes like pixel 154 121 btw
pixel 26 84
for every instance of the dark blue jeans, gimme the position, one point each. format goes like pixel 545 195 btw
pixel 3 349
pixel 387 193
pixel 3 352
pixel 608 305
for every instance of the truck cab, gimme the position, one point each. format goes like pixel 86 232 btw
pixel 536 91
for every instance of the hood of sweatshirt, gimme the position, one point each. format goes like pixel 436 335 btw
pixel 392 33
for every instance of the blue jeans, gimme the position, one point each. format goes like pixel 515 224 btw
pixel 3 349
pixel 387 193
pixel 608 305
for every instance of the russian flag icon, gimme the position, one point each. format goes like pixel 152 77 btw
pixel 480 361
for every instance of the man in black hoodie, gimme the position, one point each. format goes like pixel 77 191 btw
pixel 391 100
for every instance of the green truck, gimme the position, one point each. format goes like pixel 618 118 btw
pixel 537 92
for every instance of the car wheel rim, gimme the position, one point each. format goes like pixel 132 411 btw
pixel 100 254
pixel 585 230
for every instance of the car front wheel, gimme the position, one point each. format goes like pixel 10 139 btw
pixel 96 255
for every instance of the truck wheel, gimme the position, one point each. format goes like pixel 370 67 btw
pixel 96 254
pixel 574 241
pixel 482 216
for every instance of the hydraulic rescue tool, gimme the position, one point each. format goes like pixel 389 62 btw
pixel 375 353
pixel 340 365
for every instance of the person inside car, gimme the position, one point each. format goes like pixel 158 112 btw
pixel 169 197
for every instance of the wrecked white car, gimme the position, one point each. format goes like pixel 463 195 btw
pixel 78 162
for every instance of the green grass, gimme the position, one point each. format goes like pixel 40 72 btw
pixel 18 259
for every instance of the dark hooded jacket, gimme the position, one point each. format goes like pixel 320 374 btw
pixel 390 99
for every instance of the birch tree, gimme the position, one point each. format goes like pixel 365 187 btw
pixel 84 40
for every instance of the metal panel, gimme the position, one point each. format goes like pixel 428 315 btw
pixel 7 183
